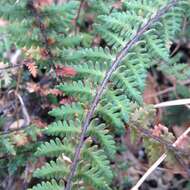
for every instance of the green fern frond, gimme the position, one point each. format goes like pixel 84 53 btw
pixel 111 38
pixel 87 54
pixel 65 128
pixel 157 46
pixel 94 71
pixel 7 146
pixel 83 90
pixel 54 148
pixel 119 101
pixel 98 159
pixel 52 170
pixel 47 186
pixel 128 85
pixel 102 136
pixel 69 41
pixel 93 177
pixel 74 110
pixel 110 114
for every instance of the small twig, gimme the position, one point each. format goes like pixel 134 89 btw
pixel 24 111
pixel 175 50
pixel 15 130
pixel 158 162
pixel 11 67
pixel 119 57
pixel 78 14
pixel 149 171
pixel 17 91
pixel 37 15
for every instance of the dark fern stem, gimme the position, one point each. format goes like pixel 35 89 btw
pixel 102 86
pixel 78 15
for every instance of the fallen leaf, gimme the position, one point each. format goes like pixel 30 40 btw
pixel 32 67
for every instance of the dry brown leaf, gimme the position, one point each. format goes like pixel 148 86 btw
pixel 32 67
pixel 63 71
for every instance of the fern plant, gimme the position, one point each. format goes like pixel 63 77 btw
pixel 141 25
pixel 109 79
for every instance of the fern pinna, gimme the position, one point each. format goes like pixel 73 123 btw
pixel 109 79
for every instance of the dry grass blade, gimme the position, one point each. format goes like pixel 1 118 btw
pixel 173 103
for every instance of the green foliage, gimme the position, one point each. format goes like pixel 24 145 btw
pixel 17 152
pixel 115 27
pixel 48 185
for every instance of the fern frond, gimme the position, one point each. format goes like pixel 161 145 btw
pixel 98 159
pixel 54 148
pixel 65 128
pixel 69 41
pixel 93 54
pixel 52 170
pixel 157 46
pixel 111 38
pixel 110 114
pixel 7 145
pixel 172 21
pixel 92 70
pixel 81 90
pixel 47 186
pixel 68 111
pixel 92 177
pixel 101 134
pixel 121 22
